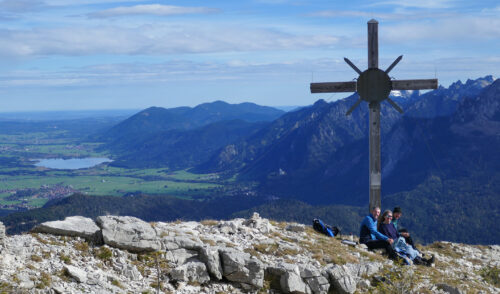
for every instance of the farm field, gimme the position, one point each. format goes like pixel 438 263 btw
pixel 25 186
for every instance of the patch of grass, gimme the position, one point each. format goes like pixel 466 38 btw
pixel 271 249
pixel 151 262
pixel 103 253
pixel 156 285
pixel 399 279
pixel 39 239
pixel 35 258
pixel 252 252
pixel 117 283
pixel 281 225
pixel 209 222
pixel 6 288
pixel 278 235
pixel 329 250
pixel 64 275
pixel 45 281
pixel 81 246
pixel 65 258
pixel 208 241
pixel 15 279
pixel 491 275
pixel 30 266
pixel 445 249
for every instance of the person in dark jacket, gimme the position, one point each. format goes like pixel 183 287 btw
pixel 372 238
pixel 396 215
pixel 386 227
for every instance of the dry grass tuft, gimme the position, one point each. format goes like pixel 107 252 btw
pixel 209 222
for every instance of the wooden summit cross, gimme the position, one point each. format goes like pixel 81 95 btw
pixel 374 86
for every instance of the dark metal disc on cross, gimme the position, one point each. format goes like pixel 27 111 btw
pixel 374 86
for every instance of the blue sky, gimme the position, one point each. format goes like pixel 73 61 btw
pixel 123 54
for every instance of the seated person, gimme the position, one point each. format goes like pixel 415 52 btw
pixel 387 228
pixel 369 235
pixel 396 215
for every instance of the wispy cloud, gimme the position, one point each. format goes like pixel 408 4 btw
pixel 86 2
pixel 155 40
pixel 19 6
pixel 429 4
pixel 172 71
pixel 184 70
pixel 397 15
pixel 446 30
pixel 151 9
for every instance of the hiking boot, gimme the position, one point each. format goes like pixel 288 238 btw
pixel 419 261
pixel 431 260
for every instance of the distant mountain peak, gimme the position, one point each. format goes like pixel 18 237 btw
pixel 444 101
pixel 320 102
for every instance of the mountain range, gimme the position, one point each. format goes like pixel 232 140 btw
pixel 183 136
pixel 440 160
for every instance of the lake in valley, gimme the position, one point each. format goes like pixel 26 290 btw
pixel 72 163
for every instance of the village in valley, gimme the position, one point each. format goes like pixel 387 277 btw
pixel 20 197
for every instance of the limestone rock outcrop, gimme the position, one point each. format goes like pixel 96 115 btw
pixel 73 226
pixel 242 267
pixel 252 255
pixel 129 233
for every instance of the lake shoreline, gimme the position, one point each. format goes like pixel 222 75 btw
pixel 72 163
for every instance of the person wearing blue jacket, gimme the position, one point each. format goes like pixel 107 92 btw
pixel 372 238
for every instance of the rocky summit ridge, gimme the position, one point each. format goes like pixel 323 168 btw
pixel 120 254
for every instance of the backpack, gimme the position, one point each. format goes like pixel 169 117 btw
pixel 321 227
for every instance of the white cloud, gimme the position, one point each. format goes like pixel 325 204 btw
pixel 457 29
pixel 429 4
pixel 19 6
pixel 152 39
pixel 151 9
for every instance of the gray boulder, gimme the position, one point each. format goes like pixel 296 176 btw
pixel 363 269
pixel 210 256
pixel 129 233
pixel 448 289
pixel 24 281
pixel 73 226
pixel 291 282
pixel 258 223
pixel 242 267
pixel 342 281
pixel 172 243
pixel 78 274
pixel 181 256
pixel 344 278
pixel 193 271
pixel 281 268
pixel 313 278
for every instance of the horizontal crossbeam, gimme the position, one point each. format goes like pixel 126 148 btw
pixel 333 87
pixel 414 84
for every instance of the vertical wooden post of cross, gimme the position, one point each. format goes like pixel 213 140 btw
pixel 374 122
